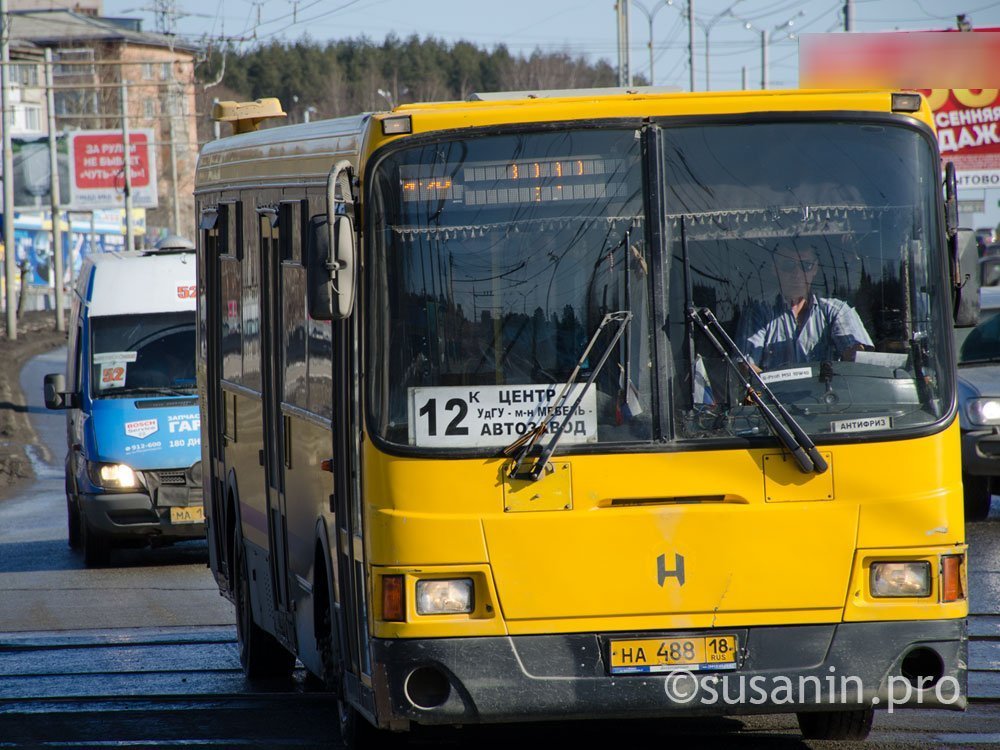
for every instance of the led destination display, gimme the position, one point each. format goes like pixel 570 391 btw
pixel 513 182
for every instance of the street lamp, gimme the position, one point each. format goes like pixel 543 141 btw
pixel 706 26
pixel 650 15
pixel 766 37
pixel 387 96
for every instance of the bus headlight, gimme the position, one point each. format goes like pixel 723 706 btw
pixel 901 578
pixel 984 411
pixel 112 476
pixel 444 596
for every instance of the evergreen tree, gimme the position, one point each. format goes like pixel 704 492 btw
pixel 344 77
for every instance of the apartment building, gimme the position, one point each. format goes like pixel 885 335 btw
pixel 94 56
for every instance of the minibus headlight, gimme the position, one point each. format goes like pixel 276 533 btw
pixel 984 411
pixel 901 578
pixel 112 476
pixel 444 596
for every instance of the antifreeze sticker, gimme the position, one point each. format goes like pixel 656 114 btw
pixel 862 424
pixel 142 428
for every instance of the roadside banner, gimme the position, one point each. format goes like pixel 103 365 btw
pixel 968 127
pixel 97 169
pixel 942 65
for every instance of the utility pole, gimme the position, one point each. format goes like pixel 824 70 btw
pixel 690 5
pixel 57 256
pixel 8 171
pixel 624 68
pixel 165 13
pixel 173 168
pixel 763 59
pixel 848 15
pixel 650 14
pixel 127 161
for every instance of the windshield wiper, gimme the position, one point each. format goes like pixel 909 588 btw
pixel 159 390
pixel 789 432
pixel 523 446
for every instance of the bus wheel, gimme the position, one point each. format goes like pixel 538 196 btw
pixel 260 653
pixel 836 725
pixel 96 546
pixel 977 497
pixel 72 522
pixel 331 673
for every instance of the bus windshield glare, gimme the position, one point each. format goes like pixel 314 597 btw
pixel 815 244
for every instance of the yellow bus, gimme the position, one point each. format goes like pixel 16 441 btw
pixel 567 405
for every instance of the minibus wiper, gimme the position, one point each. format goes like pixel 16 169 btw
pixel 789 432
pixel 158 390
pixel 522 447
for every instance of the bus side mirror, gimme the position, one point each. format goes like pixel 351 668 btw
pixel 335 261
pixel 56 396
pixel 318 286
pixel 964 256
pixel 344 258
pixel 330 276
pixel 967 306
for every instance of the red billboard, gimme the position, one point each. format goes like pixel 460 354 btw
pixel 967 119
pixel 97 169
pixel 968 127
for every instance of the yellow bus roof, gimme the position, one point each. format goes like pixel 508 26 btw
pixel 303 153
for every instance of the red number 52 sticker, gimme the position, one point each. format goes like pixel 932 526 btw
pixel 112 376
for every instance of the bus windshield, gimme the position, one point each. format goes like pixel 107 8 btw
pixel 150 353
pixel 495 259
pixel 816 244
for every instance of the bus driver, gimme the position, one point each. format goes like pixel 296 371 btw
pixel 799 326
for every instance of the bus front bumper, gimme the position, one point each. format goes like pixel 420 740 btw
pixel 780 670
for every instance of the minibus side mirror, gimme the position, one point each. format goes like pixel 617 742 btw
pixel 56 396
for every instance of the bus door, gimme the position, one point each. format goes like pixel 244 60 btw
pixel 347 495
pixel 215 225
pixel 350 554
pixel 276 453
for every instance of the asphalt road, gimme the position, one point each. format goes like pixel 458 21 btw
pixel 143 654
pixel 44 585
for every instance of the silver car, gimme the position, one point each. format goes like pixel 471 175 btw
pixel 979 413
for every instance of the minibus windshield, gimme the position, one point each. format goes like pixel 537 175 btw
pixel 153 353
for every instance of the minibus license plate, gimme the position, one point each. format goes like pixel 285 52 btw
pixel 189 514
pixel 693 653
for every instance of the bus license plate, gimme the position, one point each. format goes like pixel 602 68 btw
pixel 189 514
pixel 694 653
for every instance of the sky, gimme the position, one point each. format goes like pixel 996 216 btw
pixel 576 27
